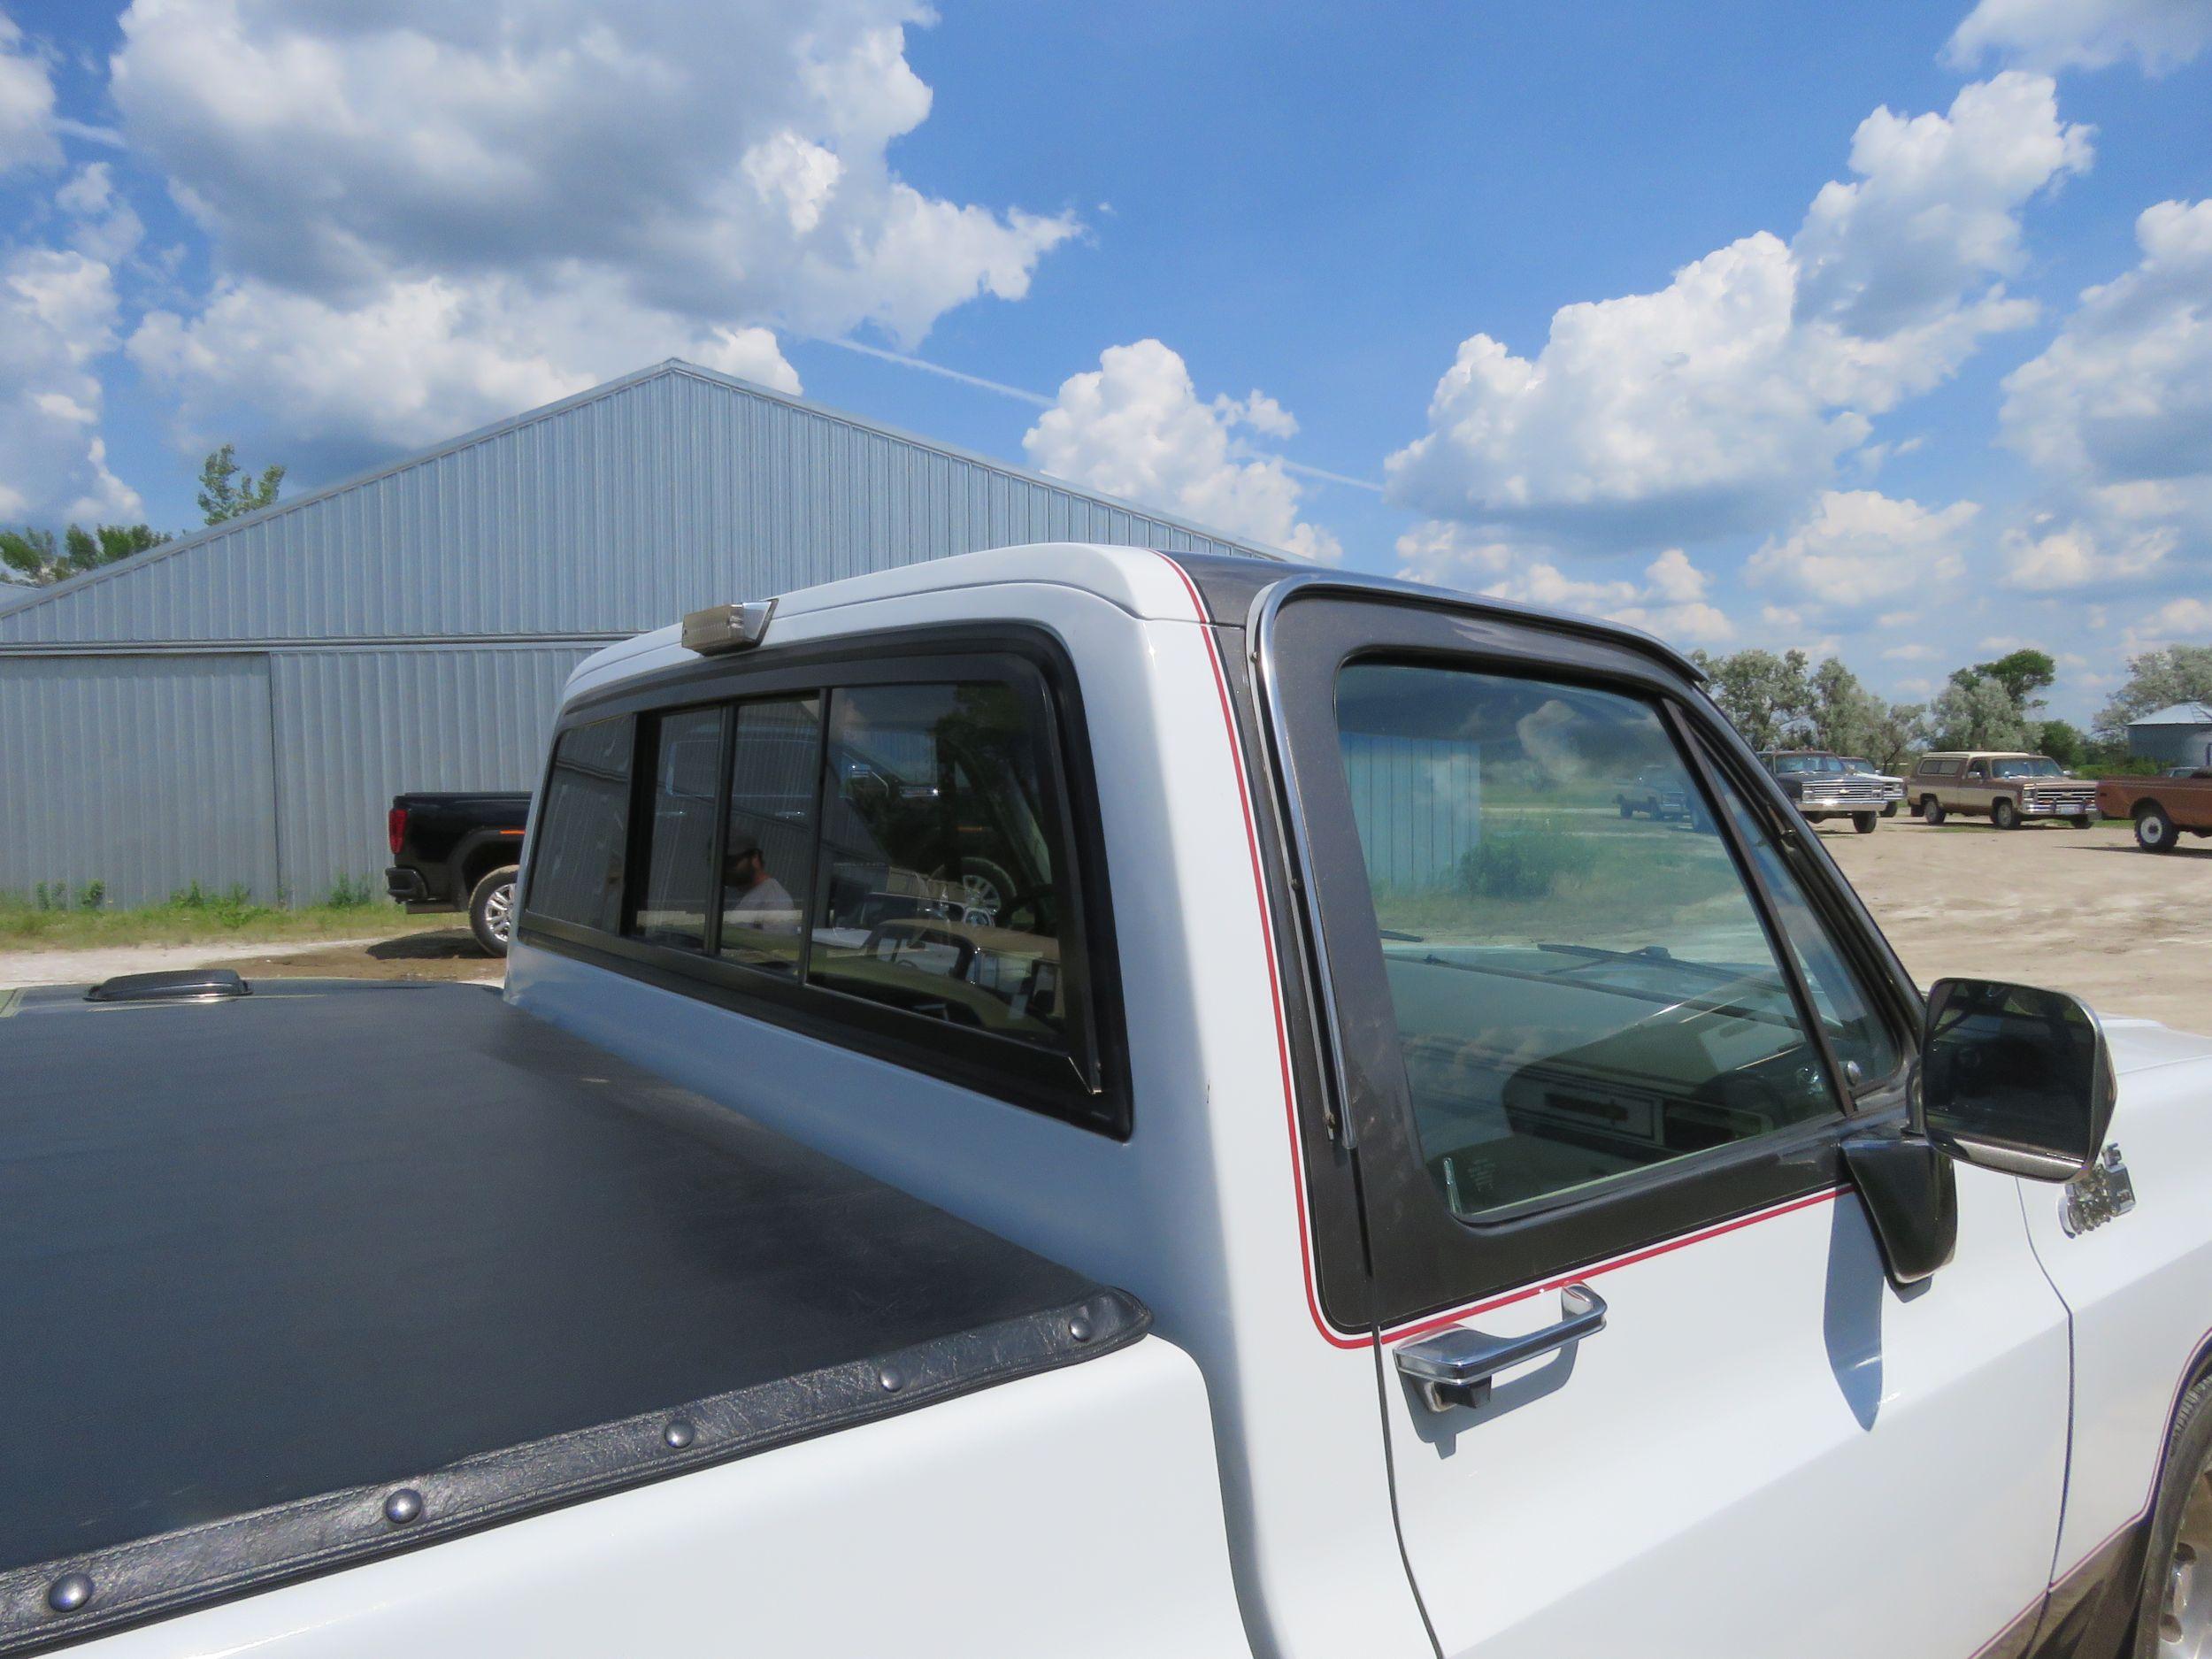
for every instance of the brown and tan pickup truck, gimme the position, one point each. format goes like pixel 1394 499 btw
pixel 2162 807
pixel 2008 788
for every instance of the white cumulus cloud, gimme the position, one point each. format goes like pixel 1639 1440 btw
pixel 58 312
pixel 2050 35
pixel 26 103
pixel 2115 415
pixel 1718 403
pixel 1670 601
pixel 1859 548
pixel 535 193
pixel 1135 427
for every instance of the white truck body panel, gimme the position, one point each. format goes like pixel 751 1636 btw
pixel 2140 1287
pixel 1757 1398
pixel 1070 1513
pixel 1198 1215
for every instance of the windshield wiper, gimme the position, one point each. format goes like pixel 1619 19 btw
pixel 1644 956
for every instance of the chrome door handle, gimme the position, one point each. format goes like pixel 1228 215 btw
pixel 1454 1367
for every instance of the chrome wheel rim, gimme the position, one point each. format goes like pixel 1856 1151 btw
pixel 2185 1620
pixel 499 912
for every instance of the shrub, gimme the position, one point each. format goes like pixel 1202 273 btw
pixel 352 893
pixel 1523 863
pixel 92 895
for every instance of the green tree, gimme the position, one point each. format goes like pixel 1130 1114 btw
pixel 222 495
pixel 2156 680
pixel 32 556
pixel 2064 742
pixel 2022 673
pixel 1769 699
pixel 1979 711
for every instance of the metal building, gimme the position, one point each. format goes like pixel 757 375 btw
pixel 2177 735
pixel 237 707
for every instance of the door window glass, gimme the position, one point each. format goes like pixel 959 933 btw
pixel 936 891
pixel 1860 1039
pixel 768 854
pixel 1583 988
pixel 583 828
pixel 679 854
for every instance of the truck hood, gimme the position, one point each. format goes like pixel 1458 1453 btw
pixel 2139 1045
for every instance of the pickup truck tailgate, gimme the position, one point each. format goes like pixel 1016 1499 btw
pixel 305 1276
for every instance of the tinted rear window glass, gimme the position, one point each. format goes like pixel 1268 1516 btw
pixel 936 892
pixel 680 856
pixel 583 828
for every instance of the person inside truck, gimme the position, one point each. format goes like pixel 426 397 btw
pixel 755 895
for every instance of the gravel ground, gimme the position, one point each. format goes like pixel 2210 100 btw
pixel 2078 909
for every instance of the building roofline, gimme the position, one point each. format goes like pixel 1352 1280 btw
pixel 11 605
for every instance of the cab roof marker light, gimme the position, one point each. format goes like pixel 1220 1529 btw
pixel 720 629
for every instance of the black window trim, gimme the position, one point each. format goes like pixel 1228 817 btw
pixel 1087 1087
pixel 1429 1260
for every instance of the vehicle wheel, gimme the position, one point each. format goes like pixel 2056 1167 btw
pixel 2174 1612
pixel 1627 811
pixel 492 911
pixel 2004 815
pixel 984 890
pixel 1930 810
pixel 1864 822
pixel 1889 808
pixel 2154 834
pixel 2081 820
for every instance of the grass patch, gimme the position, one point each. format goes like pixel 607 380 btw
pixel 54 917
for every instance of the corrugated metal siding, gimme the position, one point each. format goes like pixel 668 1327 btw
pixel 361 614
pixel 1419 804
pixel 608 515
pixel 356 727
pixel 2172 745
pixel 143 773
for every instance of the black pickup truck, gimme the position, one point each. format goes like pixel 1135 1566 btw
pixel 459 851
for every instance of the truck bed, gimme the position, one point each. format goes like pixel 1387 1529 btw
pixel 332 1269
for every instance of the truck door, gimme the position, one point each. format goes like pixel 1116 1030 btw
pixel 1597 1070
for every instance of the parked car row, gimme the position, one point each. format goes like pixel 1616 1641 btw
pixel 2009 788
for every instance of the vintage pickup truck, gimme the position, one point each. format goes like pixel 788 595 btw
pixel 1345 1188
pixel 2161 808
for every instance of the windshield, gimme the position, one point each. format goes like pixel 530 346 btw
pixel 1580 991
pixel 1824 764
pixel 1855 762
pixel 2038 767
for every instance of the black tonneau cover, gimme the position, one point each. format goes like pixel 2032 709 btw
pixel 367 1264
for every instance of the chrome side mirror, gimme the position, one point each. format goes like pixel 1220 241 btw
pixel 2015 1079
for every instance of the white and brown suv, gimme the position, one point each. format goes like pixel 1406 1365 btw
pixel 2006 786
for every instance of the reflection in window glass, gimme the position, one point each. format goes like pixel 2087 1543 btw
pixel 768 859
pixel 1855 1032
pixel 1582 984
pixel 936 891
pixel 679 856
pixel 583 828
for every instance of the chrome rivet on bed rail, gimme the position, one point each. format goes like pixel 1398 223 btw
pixel 891 1378
pixel 402 1506
pixel 679 1433
pixel 1079 1328
pixel 69 1592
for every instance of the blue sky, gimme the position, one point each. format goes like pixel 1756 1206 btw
pixel 1824 376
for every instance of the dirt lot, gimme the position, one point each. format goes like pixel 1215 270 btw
pixel 2080 909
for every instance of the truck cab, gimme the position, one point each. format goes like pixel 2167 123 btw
pixel 1520 1227
pixel 2008 787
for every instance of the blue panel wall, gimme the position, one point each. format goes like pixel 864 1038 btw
pixel 143 773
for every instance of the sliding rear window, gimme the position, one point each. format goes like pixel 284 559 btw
pixel 888 860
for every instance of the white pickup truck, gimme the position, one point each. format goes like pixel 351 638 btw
pixel 1081 1101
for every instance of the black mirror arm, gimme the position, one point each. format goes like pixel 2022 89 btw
pixel 1911 1193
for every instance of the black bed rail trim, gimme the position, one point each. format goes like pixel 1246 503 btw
pixel 54 1602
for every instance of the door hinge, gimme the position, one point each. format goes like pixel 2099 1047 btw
pixel 2100 1194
